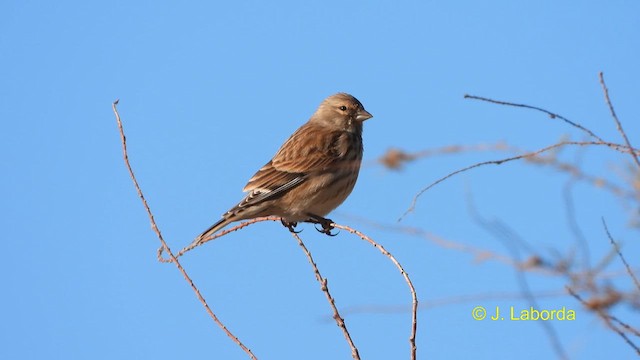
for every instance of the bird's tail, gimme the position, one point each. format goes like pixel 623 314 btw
pixel 210 231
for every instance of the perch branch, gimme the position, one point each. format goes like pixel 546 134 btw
pixel 325 288
pixel 414 297
pixel 164 245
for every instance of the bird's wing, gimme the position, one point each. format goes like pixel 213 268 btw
pixel 269 183
pixel 311 148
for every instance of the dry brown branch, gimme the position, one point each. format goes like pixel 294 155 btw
pixel 615 118
pixel 603 296
pixel 626 326
pixel 551 115
pixel 396 158
pixel 617 248
pixel 164 244
pixel 414 297
pixel 617 147
pixel 478 254
pixel 583 280
pixel 513 243
pixel 532 263
pixel 579 175
pixel 323 281
pixel 604 315
pixel 325 288
pixel 220 234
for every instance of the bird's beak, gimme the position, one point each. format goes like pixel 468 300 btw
pixel 363 115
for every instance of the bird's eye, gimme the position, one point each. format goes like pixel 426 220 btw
pixel 343 108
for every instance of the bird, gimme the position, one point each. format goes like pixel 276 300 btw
pixel 311 174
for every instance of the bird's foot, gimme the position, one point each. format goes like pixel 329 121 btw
pixel 291 226
pixel 325 223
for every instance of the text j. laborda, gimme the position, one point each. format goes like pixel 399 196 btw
pixel 527 314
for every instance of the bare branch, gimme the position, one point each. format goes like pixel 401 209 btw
pixel 615 118
pixel 414 297
pixel 218 235
pixel 532 263
pixel 395 158
pixel 626 326
pixel 614 146
pixel 325 288
pixel 607 319
pixel 512 241
pixel 551 115
pixel 617 248
pixel 164 245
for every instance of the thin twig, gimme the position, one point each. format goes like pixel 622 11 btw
pixel 617 147
pixel 217 235
pixel 512 241
pixel 626 326
pixel 567 194
pixel 325 288
pixel 617 248
pixel 396 159
pixel 414 297
pixel 323 281
pixel 578 174
pixel 607 319
pixel 615 118
pixel 166 248
pixel 532 263
pixel 479 254
pixel 551 115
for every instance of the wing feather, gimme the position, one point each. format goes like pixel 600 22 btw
pixel 311 149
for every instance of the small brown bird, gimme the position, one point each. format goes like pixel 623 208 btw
pixel 313 172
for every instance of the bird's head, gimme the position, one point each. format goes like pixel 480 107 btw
pixel 341 111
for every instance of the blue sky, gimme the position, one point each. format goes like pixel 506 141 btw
pixel 209 91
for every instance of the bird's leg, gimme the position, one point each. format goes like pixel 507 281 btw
pixel 291 226
pixel 325 223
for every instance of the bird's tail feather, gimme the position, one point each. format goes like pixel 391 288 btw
pixel 210 231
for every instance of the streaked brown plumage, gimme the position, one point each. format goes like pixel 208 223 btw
pixel 313 172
